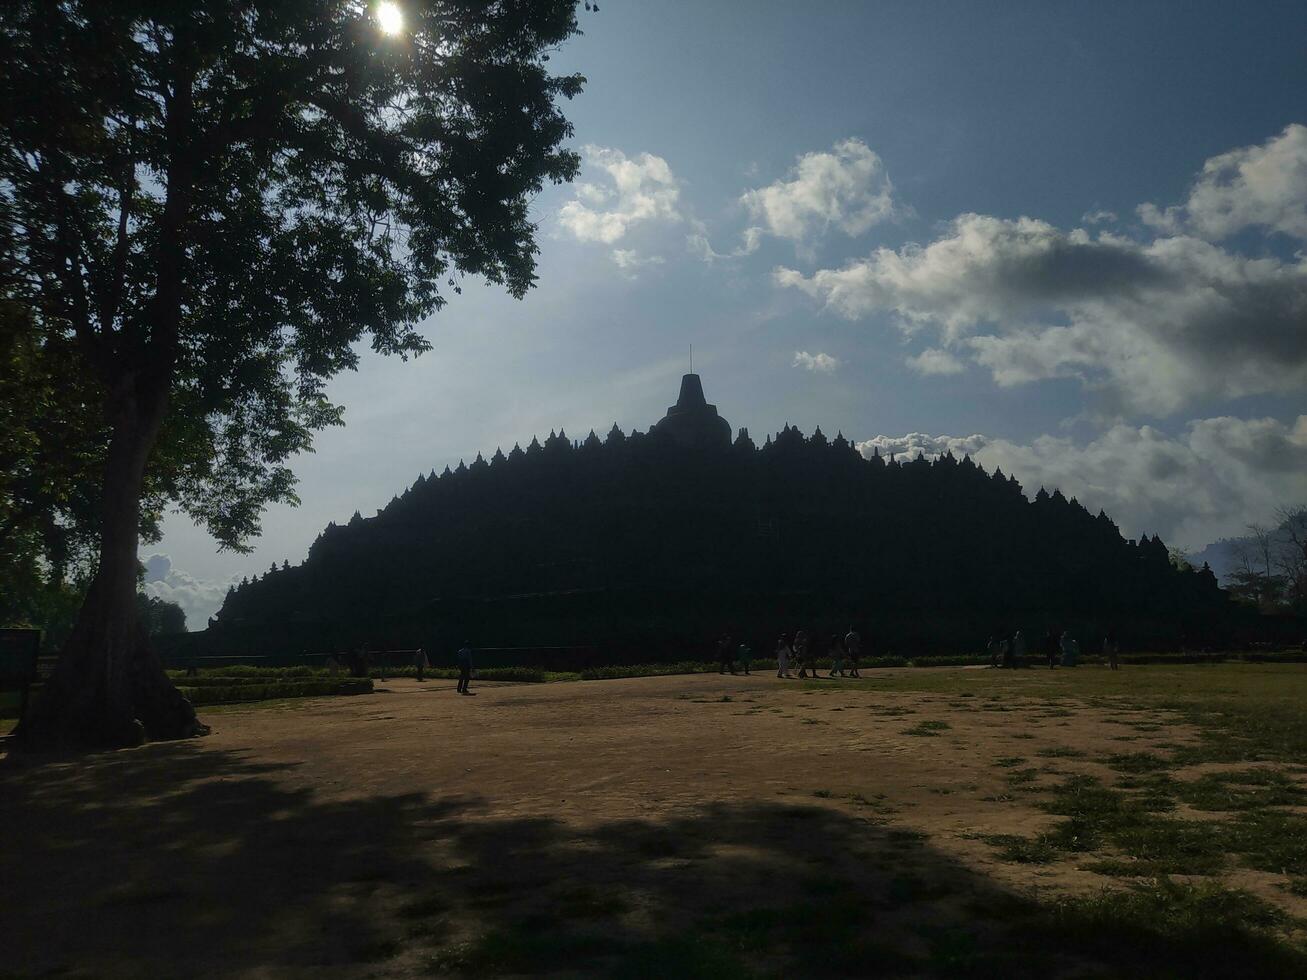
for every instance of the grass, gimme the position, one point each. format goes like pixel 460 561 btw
pixel 927 729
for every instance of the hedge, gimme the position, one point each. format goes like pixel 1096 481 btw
pixel 276 690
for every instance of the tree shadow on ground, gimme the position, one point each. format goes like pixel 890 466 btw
pixel 176 860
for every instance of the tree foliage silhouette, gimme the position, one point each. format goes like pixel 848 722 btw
pixel 206 207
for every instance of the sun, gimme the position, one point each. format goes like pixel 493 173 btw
pixel 389 17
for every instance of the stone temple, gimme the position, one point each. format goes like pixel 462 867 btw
pixel 692 422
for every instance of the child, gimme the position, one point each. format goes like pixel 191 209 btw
pixel 745 656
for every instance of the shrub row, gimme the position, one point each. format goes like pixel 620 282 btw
pixel 529 675
pixel 277 689
pixel 262 674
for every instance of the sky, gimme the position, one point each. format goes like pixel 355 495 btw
pixel 1069 239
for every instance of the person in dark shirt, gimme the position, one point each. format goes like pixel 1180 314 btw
pixel 464 668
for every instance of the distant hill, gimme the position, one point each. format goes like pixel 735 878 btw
pixel 651 541
pixel 1219 556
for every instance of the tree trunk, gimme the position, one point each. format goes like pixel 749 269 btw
pixel 109 689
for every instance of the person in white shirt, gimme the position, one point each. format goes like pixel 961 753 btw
pixel 783 653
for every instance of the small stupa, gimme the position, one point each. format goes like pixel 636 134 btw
pixel 692 421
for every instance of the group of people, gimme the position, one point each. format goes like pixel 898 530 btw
pixel 844 653
pixel 1011 651
pixel 464 657
pixel 797 654
pixel 360 663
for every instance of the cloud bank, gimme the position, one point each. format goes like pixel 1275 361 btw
pixel 1152 325
pixel 1201 485
pixel 199 598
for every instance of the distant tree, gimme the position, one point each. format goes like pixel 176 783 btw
pixel 159 616
pixel 1291 555
pixel 205 207
pixel 1180 559
pixel 1253 578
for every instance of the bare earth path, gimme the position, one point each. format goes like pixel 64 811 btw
pixel 390 835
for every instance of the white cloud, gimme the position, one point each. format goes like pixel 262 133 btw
pixel 1099 216
pixel 698 244
pixel 935 361
pixel 630 261
pixel 1204 484
pixel 1253 186
pixel 199 598
pixel 823 363
pixel 640 189
pixel 847 188
pixel 1153 324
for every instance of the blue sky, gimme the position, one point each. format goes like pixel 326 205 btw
pixel 1067 238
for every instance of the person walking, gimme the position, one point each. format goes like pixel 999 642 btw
pixel 836 655
pixel 1018 649
pixel 420 662
pixel 1112 648
pixel 1070 649
pixel 801 654
pixel 853 648
pixel 1049 645
pixel 725 655
pixel 745 656
pixel 783 654
pixel 464 668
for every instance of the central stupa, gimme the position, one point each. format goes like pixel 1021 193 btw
pixel 692 421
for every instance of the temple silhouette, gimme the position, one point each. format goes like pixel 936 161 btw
pixel 692 421
pixel 645 545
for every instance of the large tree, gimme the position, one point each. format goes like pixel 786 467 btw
pixel 205 208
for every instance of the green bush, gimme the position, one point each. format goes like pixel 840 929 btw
pixel 275 690
pixel 243 673
pixel 529 675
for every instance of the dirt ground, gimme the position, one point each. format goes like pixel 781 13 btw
pixel 381 835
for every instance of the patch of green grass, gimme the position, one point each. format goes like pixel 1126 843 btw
pixel 1254 789
pixel 1060 752
pixel 1170 929
pixel 1135 762
pixel 824 794
pixel 1008 761
pixel 1020 777
pixel 927 729
pixel 1297 886
pixel 1022 850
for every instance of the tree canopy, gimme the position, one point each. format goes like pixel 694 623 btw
pixel 286 181
pixel 205 210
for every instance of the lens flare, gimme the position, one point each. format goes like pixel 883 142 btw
pixel 389 17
